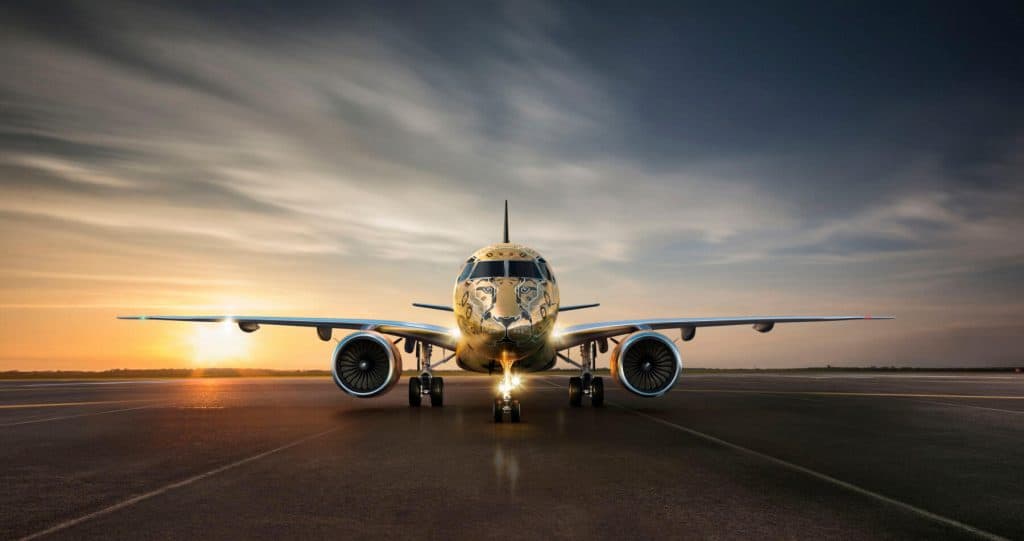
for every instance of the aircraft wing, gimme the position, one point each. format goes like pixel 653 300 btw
pixel 431 334
pixel 579 334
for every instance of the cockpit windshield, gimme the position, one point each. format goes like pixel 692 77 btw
pixel 523 269
pixel 498 269
pixel 466 270
pixel 489 269
pixel 546 270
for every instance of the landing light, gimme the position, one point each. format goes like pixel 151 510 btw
pixel 507 385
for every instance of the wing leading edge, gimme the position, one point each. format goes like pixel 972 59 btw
pixel 431 334
pixel 579 334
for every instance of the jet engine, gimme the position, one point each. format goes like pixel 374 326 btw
pixel 366 364
pixel 646 363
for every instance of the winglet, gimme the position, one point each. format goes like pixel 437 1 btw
pixel 506 222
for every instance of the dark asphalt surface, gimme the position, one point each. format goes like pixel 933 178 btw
pixel 722 456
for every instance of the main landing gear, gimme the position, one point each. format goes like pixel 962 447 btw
pixel 587 384
pixel 426 384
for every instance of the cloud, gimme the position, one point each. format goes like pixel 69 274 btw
pixel 357 143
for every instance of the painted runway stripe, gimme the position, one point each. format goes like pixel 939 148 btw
pixel 63 417
pixel 818 475
pixel 68 404
pixel 118 382
pixel 850 393
pixel 971 406
pixel 184 482
pixel 813 473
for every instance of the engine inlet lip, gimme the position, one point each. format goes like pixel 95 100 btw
pixel 362 336
pixel 663 339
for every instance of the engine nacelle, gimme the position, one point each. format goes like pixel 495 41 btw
pixel 646 363
pixel 366 364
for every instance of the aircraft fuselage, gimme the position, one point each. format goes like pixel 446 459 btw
pixel 505 304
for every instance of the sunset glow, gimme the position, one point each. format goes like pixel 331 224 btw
pixel 349 167
pixel 219 344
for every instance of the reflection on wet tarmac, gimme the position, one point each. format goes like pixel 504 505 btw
pixel 506 467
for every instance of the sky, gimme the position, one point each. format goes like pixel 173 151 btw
pixel 668 159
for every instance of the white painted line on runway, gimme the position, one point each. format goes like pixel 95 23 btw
pixel 68 404
pixel 821 476
pixel 816 474
pixel 61 418
pixel 971 406
pixel 142 497
pixel 854 394
pixel 88 383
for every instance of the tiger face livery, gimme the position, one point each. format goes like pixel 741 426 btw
pixel 506 302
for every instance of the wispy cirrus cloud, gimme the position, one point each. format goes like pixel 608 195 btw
pixel 292 147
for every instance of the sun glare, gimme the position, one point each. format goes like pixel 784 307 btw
pixel 217 344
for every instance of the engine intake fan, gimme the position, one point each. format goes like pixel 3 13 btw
pixel 646 363
pixel 366 364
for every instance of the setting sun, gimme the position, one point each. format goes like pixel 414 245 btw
pixel 218 343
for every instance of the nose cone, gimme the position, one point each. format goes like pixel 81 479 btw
pixel 506 306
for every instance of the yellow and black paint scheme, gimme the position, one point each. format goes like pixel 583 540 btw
pixel 505 304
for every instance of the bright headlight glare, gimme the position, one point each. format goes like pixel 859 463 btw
pixel 504 387
pixel 516 381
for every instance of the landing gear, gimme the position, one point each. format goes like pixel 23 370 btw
pixel 587 384
pixel 575 392
pixel 505 403
pixel 437 392
pixel 415 392
pixel 597 392
pixel 502 406
pixel 498 410
pixel 426 383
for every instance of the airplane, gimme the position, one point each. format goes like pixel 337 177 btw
pixel 505 306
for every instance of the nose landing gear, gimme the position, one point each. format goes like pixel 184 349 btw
pixel 502 406
pixel 505 403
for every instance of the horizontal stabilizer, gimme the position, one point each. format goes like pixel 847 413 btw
pixel 433 306
pixel 577 306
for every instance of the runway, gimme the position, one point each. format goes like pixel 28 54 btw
pixel 722 456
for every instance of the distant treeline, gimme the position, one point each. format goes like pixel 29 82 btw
pixel 160 373
pixel 269 373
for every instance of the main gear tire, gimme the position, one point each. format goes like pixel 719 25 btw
pixel 575 392
pixel 415 398
pixel 437 392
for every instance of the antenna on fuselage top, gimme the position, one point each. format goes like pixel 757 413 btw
pixel 506 221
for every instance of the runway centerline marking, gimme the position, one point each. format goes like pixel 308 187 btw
pixel 184 482
pixel 852 393
pixel 68 404
pixel 813 473
pixel 62 417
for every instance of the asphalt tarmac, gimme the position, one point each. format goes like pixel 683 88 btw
pixel 722 456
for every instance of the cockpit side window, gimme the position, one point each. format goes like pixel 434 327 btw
pixel 467 269
pixel 523 269
pixel 489 269
pixel 545 270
